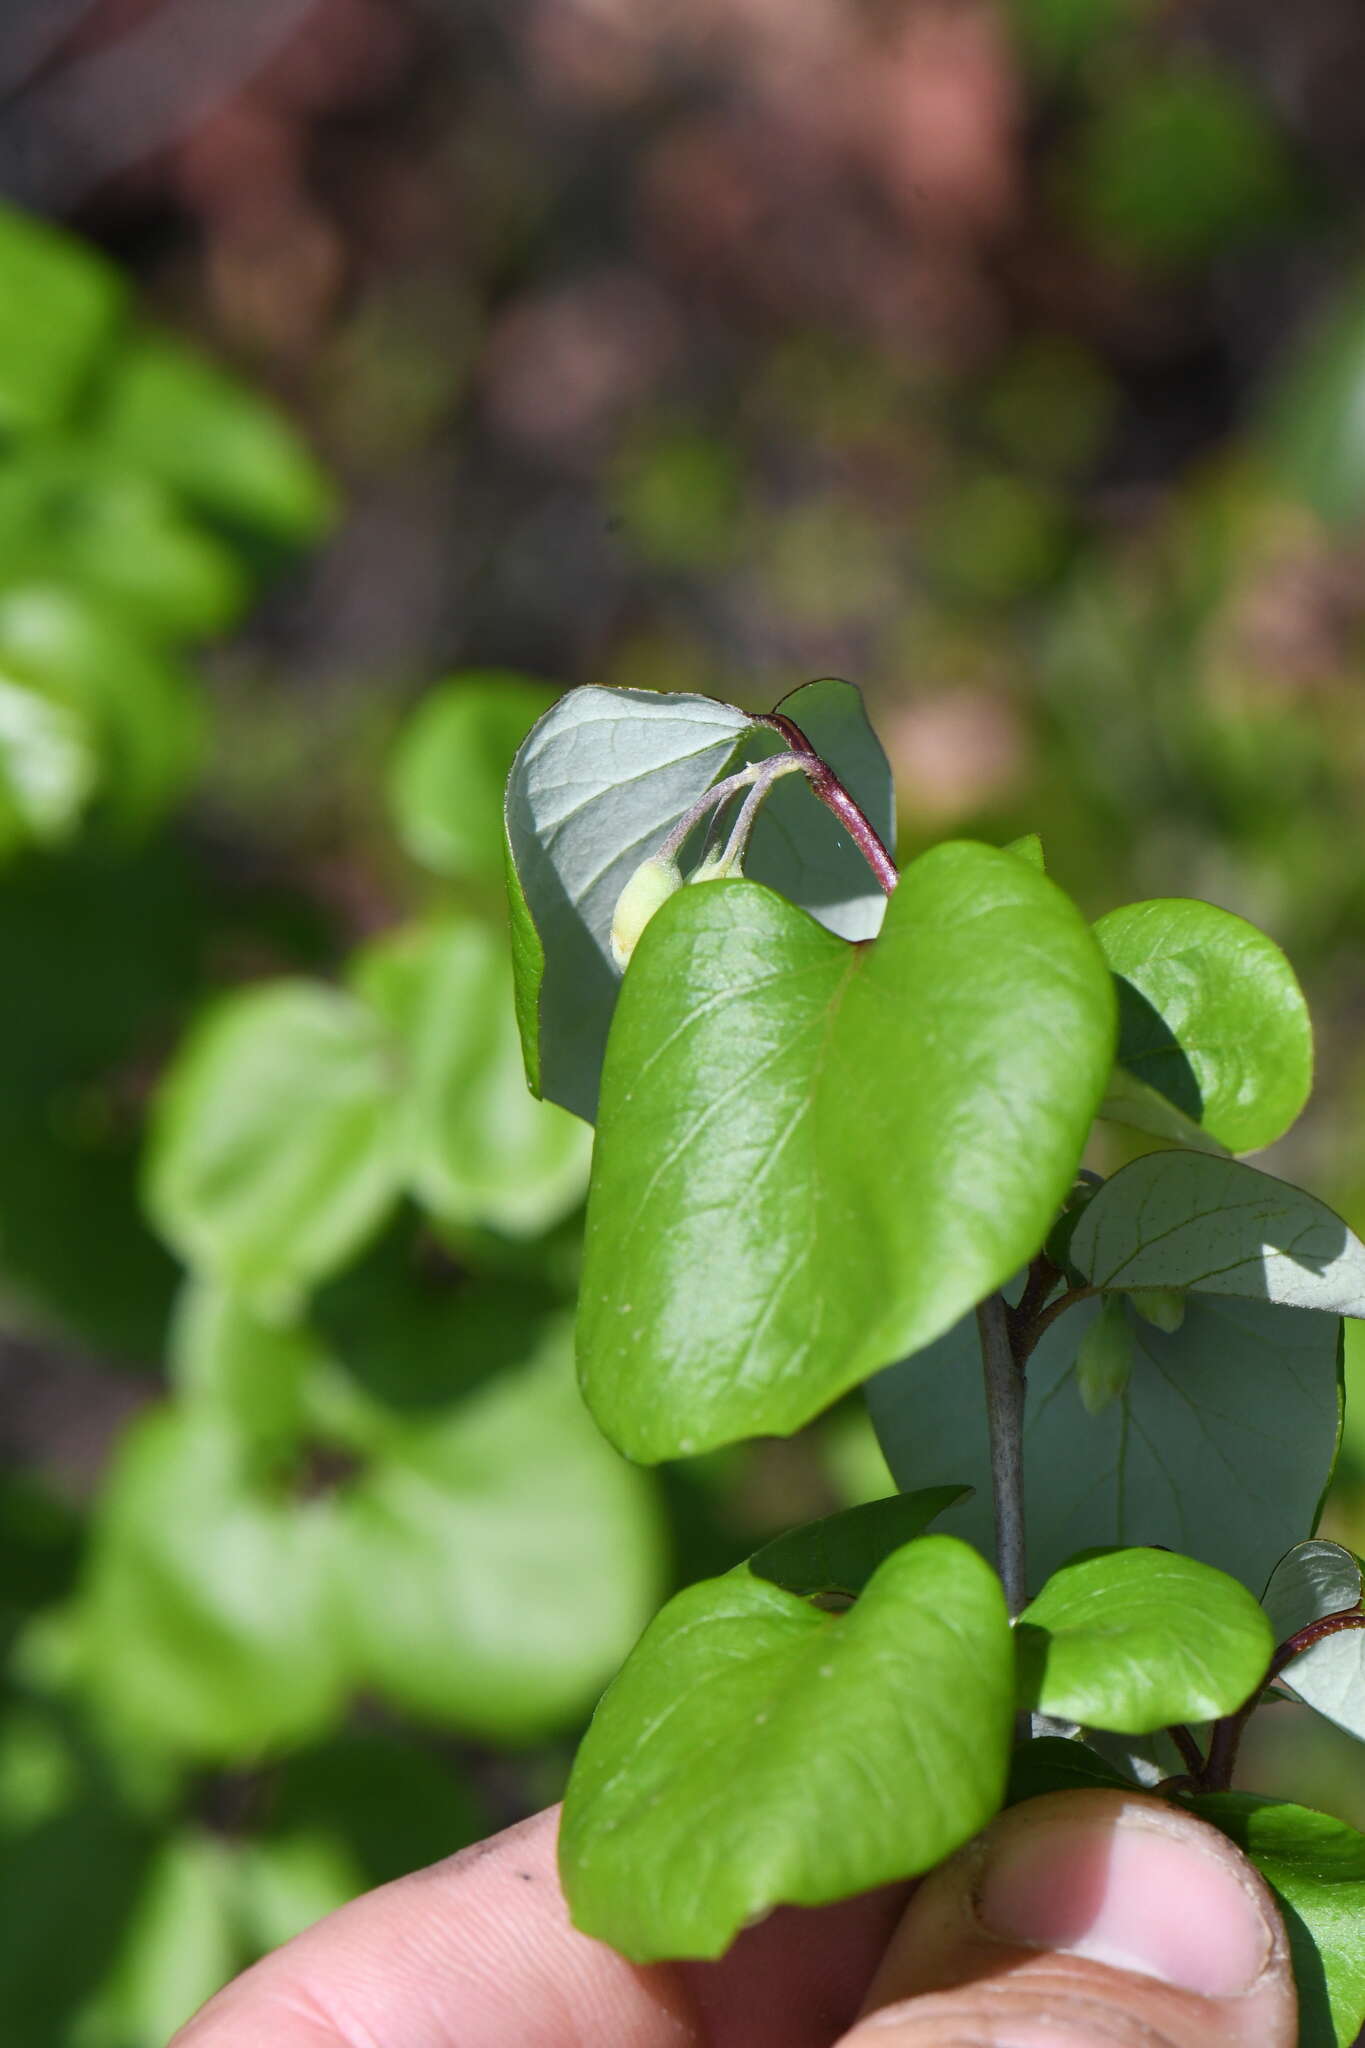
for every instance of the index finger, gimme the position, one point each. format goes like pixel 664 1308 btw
pixel 478 1951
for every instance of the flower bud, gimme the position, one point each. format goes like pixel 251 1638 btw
pixel 1163 1307
pixel 715 867
pixel 653 882
pixel 1104 1357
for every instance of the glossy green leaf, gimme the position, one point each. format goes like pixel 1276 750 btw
pixel 839 1553
pixel 60 308
pixel 478 1147
pixel 1317 1579
pixel 134 702
pixel 450 767
pixel 71 514
pixel 1316 1868
pixel 798 847
pixel 1211 1017
pixel 1182 1219
pixel 274 1150
pixel 597 785
pixel 1138 1639
pixel 750 1255
pixel 498 1562
pixel 1029 848
pixel 206 1619
pixel 1220 1447
pixel 757 1749
pixel 179 418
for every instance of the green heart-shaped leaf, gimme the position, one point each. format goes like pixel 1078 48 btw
pixel 839 1553
pixel 1316 1868
pixel 1183 1219
pixel 1138 1639
pixel 1220 1445
pixel 811 1156
pixel 1211 1020
pixel 758 1750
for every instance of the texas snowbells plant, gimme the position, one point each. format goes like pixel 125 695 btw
pixel 840 1122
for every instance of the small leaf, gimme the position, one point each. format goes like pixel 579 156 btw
pixel 1316 1868
pixel 1135 1640
pixel 840 1553
pixel 450 768
pixel 1314 428
pixel 478 1148
pixel 1211 1017
pixel 757 1750
pixel 181 1944
pixel 1029 848
pixel 60 308
pixel 1104 1357
pixel 1182 1219
pixel 749 1254
pixel 498 1561
pixel 229 1361
pixel 1053 1763
pixel 1220 1446
pixel 274 1153
pixel 179 418
pixel 594 790
pixel 1315 1580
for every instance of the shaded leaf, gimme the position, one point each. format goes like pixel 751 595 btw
pixel 840 1553
pixel 1220 1447
pixel 1314 1580
pixel 1138 1639
pixel 822 1254
pixel 1182 1219
pixel 1053 1763
pixel 1211 1017
pixel 757 1750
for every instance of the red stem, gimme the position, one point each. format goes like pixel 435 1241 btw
pixel 836 798
pixel 1227 1734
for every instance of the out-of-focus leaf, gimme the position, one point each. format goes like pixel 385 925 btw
pixel 274 1150
pixel 1211 1016
pixel 1220 1446
pixel 1184 1220
pixel 449 770
pixel 71 514
pixel 48 766
pixel 229 1361
pixel 179 1947
pixel 134 702
pixel 478 1147
pixel 1139 1639
pixel 757 1750
pixel 60 308
pixel 208 1627
pixel 498 1563
pixel 1314 430
pixel 177 416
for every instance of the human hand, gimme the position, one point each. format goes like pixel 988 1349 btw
pixel 1080 1920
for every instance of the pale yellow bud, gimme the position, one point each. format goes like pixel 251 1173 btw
pixel 653 882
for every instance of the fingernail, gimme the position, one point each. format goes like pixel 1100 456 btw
pixel 1138 1890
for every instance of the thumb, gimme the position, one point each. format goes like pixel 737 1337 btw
pixel 1085 1919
